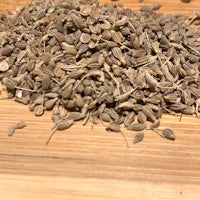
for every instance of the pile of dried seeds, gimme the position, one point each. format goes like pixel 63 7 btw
pixel 101 63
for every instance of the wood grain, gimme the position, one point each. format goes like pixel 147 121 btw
pixel 89 163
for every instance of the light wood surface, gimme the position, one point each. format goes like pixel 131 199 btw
pixel 88 163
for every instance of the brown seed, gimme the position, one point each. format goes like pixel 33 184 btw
pixel 129 119
pixel 106 117
pixel 39 110
pixel 79 101
pixel 169 134
pixel 45 82
pixel 142 117
pixel 156 124
pixel 149 113
pixel 122 21
pixel 112 113
pixel 70 49
pixel 61 125
pixel 49 104
pixel 120 120
pixel 113 127
pixel 64 124
pixel 151 80
pixel 136 127
pixel 62 111
pixel 77 21
pixel 85 10
pixel 56 118
pixel 5 51
pixel 59 36
pixel 4 66
pixel 46 58
pixel 156 6
pixel 115 36
pixel 59 24
pixel 67 92
pixel 9 83
pixel 138 138
pixel 118 54
pixel 85 38
pixel 75 116
pixel 103 62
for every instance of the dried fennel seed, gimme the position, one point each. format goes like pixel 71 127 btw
pixel 101 63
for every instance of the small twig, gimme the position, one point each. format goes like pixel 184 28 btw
pixel 156 131
pixel 171 112
pixel 123 135
pixel 49 139
pixel 180 117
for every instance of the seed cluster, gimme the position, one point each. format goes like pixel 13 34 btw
pixel 101 63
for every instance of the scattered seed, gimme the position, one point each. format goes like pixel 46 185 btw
pixel 138 137
pixel 169 134
pixel 136 127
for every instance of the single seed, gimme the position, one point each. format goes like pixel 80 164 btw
pixel 138 138
pixel 113 127
pixel 169 134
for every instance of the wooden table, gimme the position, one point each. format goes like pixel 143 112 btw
pixel 89 163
